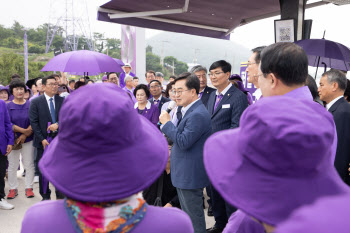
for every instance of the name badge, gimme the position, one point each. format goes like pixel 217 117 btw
pixel 226 106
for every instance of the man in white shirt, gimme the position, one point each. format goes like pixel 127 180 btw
pixel 332 87
pixel 155 87
pixel 253 70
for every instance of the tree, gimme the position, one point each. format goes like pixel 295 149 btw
pixel 149 49
pixel 153 62
pixel 5 33
pixel 10 63
pixel 180 67
pixel 18 29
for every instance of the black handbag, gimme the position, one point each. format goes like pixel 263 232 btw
pixel 158 201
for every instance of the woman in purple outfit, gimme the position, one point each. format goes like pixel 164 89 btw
pixel 18 110
pixel 101 165
pixel 143 106
pixel 4 94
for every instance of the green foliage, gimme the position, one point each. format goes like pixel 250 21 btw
pixel 12 49
pixel 36 49
pixel 10 63
pixel 153 62
pixel 180 67
pixel 149 49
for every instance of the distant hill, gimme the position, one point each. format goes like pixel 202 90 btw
pixel 201 50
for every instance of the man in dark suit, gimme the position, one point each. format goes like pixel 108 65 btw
pixel 45 109
pixel 225 106
pixel 204 91
pixel 332 87
pixel 193 128
pixel 155 87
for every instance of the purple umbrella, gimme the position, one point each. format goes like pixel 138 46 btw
pixel 328 53
pixel 84 61
pixel 119 62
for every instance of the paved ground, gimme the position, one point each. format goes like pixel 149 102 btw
pixel 11 220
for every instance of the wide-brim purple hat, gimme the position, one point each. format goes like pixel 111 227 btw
pixel 327 215
pixel 104 150
pixel 276 161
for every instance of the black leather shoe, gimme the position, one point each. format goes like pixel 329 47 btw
pixel 214 229
pixel 46 199
pixel 210 211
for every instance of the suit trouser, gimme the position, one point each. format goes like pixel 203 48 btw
pixel 221 209
pixel 36 162
pixel 27 153
pixel 59 195
pixel 3 163
pixel 191 201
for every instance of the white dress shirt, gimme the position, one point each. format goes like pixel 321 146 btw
pixel 225 90
pixel 329 105
pixel 48 100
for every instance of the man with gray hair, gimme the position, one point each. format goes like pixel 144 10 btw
pixel 332 87
pixel 128 80
pixel 160 77
pixel 204 91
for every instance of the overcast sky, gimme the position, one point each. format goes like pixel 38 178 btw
pixel 334 19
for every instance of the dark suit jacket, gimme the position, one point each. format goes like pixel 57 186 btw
pixel 341 114
pixel 162 101
pixel 206 94
pixel 39 116
pixel 186 160
pixel 234 102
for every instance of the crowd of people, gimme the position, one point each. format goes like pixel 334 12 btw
pixel 276 160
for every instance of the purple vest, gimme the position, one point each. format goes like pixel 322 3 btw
pixel 51 216
pixel 151 114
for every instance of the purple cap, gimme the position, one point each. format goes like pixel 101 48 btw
pixel 277 161
pixel 327 215
pixel 104 150
pixel 104 78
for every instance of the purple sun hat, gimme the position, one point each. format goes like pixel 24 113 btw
pixel 105 150
pixel 235 76
pixel 327 215
pixel 277 161
pixel 104 78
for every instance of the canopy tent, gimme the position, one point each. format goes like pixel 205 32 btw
pixel 216 19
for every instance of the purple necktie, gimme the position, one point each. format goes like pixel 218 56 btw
pixel 156 102
pixel 218 99
pixel 200 95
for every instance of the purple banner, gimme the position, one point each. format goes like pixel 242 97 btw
pixel 25 56
pixel 249 86
pixel 128 50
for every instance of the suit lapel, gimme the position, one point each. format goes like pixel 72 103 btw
pixel 336 104
pixel 193 107
pixel 211 103
pixel 57 106
pixel 46 107
pixel 226 97
pixel 205 95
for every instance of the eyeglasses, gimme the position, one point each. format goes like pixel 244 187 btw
pixel 113 79
pixel 140 95
pixel 155 87
pixel 178 92
pixel 52 84
pixel 215 74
